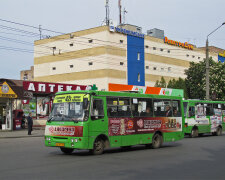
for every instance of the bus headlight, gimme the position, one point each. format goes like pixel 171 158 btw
pixel 72 140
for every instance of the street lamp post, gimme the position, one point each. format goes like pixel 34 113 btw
pixel 207 62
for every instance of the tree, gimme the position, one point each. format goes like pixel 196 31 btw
pixel 195 80
pixel 161 83
pixel 178 84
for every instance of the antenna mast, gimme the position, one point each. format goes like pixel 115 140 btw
pixel 124 14
pixel 120 16
pixel 40 31
pixel 107 12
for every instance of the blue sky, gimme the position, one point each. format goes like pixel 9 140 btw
pixel 181 20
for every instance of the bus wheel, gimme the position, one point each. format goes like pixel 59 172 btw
pixel 98 147
pixel 66 150
pixel 194 133
pixel 156 141
pixel 218 131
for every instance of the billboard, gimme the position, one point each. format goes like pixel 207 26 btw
pixel 146 89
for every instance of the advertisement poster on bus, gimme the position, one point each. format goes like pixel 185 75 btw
pixel 74 131
pixel 146 89
pixel 126 126
pixel 215 122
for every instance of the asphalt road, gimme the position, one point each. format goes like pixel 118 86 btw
pixel 198 158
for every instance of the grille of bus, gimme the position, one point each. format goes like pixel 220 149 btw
pixel 60 138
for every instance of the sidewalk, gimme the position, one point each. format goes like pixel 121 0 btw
pixel 37 132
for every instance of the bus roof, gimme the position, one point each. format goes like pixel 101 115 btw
pixel 202 101
pixel 120 94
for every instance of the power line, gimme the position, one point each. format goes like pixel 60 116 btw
pixel 22 31
pixel 56 38
pixel 24 35
pixel 21 24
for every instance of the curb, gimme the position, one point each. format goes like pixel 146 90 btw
pixel 27 136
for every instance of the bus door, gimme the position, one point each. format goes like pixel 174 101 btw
pixel 190 116
pixel 98 123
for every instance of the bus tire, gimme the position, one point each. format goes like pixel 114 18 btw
pixel 66 150
pixel 194 133
pixel 157 141
pixel 98 148
pixel 218 131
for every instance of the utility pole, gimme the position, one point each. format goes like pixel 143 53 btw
pixel 207 68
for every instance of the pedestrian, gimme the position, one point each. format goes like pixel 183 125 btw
pixel 29 123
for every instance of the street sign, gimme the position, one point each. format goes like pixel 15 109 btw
pixel 6 91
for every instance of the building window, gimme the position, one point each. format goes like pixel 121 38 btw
pixel 187 55
pixel 162 69
pixel 138 56
pixel 90 63
pixel 54 68
pixel 193 56
pixel 154 68
pixel 199 57
pixel 154 48
pixel 168 51
pixel 161 49
pixel 71 44
pixel 139 77
pixel 121 41
pixel 53 51
pixel 71 66
pixel 169 69
pixel 90 40
pixel 146 46
pixel 121 63
pixel 25 77
pixel 147 67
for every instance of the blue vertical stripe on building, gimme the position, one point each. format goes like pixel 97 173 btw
pixel 221 58
pixel 135 45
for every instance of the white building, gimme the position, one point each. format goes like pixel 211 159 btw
pixel 105 55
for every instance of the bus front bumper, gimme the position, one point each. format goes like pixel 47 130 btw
pixel 67 142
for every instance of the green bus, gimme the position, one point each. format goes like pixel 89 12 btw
pixel 204 117
pixel 96 120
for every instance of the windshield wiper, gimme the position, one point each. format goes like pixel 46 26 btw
pixel 70 117
pixel 49 120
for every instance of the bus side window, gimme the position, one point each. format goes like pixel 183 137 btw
pixel 185 104
pixel 217 110
pixel 112 106
pixel 223 109
pixel 176 108
pixel 159 109
pixel 97 111
pixel 209 110
pixel 134 107
pixel 124 109
pixel 191 111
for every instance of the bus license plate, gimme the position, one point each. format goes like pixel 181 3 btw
pixel 59 144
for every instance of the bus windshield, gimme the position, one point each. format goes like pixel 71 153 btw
pixel 75 109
